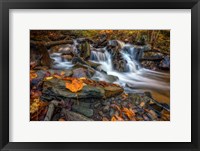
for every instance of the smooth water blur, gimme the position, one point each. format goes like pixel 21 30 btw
pixel 140 79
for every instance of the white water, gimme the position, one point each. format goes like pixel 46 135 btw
pixel 139 78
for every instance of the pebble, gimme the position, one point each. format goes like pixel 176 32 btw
pixel 142 104
pixel 125 103
pixel 145 117
pixel 112 112
pixel 104 119
pixel 97 105
pixel 139 118
pixel 153 114
pixel 101 113
pixel 106 109
pixel 105 102
pixel 137 102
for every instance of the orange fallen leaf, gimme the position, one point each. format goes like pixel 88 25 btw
pixel 119 118
pixel 61 119
pixel 75 85
pixel 128 112
pixel 36 105
pixel 57 76
pixel 33 75
pixel 113 118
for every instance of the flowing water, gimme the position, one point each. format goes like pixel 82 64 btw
pixel 140 79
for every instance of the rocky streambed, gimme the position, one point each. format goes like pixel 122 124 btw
pixel 90 82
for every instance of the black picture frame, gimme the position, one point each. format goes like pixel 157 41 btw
pixel 5 5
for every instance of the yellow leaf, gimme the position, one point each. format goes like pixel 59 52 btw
pixel 48 78
pixel 36 105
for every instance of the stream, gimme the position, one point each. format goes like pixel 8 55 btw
pixel 140 79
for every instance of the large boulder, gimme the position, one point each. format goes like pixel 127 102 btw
pixel 57 86
pixel 111 91
pixel 91 89
pixel 82 71
pixel 85 50
pixel 79 72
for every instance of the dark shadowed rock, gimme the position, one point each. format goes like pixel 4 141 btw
pixel 165 63
pixel 82 110
pixel 73 116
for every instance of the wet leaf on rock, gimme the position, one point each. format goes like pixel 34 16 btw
pixel 74 84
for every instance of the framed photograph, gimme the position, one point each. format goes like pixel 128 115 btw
pixel 85 75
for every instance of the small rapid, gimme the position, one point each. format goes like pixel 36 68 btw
pixel 135 80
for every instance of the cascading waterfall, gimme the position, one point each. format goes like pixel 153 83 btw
pixel 141 79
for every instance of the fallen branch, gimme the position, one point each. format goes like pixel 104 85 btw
pixel 50 111
pixel 157 50
pixel 51 43
pixel 151 59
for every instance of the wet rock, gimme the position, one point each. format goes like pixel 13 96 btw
pixel 67 57
pixel 85 68
pixel 105 102
pixel 144 104
pixel 83 40
pixel 124 103
pixel 153 114
pixel 145 117
pixel 101 113
pixel 165 63
pixel 106 109
pixel 112 78
pixel 41 74
pixel 85 50
pixel 139 118
pixel 120 65
pixel 112 112
pixel 165 115
pixel 65 49
pixel 134 98
pixel 82 72
pixel 148 94
pixel 77 60
pixel 56 117
pixel 73 116
pixel 82 110
pixel 79 72
pixel 155 107
pixel 111 91
pixel 105 119
pixel 67 72
pixel 130 85
pixel 57 87
pixel 102 41
pixel 93 64
pixel 84 104
pixel 97 105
